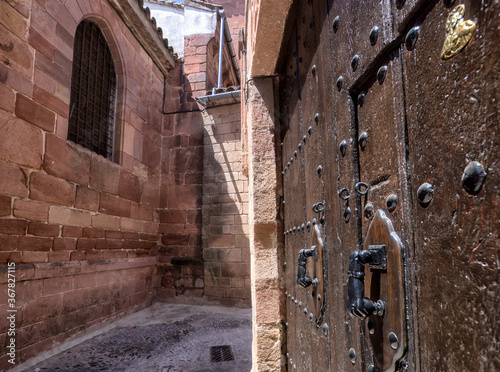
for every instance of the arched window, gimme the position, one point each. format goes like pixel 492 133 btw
pixel 93 91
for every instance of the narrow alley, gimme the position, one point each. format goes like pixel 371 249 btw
pixel 163 337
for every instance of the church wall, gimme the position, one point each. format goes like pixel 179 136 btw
pixel 81 229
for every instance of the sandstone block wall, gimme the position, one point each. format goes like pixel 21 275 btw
pixel 184 183
pixel 180 256
pixel 180 253
pixel 266 249
pixel 264 29
pixel 93 238
pixel 82 229
pixel 235 13
pixel 58 300
pixel 54 191
pixel 225 209
pixel 199 69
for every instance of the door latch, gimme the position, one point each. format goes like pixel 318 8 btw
pixel 316 278
pixel 375 291
pixel 302 278
pixel 359 305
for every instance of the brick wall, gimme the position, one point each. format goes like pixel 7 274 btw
pixel 180 255
pixel 91 237
pixel 235 13
pixel 225 209
pixel 58 300
pixel 62 206
pixel 180 259
pixel 197 69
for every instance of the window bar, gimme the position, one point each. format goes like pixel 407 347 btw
pixel 95 118
pixel 102 107
pixel 89 108
pixel 93 91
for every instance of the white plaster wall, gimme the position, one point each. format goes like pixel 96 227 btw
pixel 199 21
pixel 178 23
pixel 171 22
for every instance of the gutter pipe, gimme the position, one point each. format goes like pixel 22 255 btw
pixel 224 32
pixel 221 48
pixel 214 98
pixel 231 50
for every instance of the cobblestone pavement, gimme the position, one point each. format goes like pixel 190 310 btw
pixel 163 337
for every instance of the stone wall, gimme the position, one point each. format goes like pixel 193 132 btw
pixel 180 256
pixel 83 230
pixel 94 238
pixel 264 34
pixel 235 13
pixel 266 248
pixel 59 300
pixel 57 192
pixel 180 253
pixel 183 183
pixel 225 209
pixel 200 68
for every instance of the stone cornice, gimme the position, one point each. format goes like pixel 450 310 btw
pixel 143 27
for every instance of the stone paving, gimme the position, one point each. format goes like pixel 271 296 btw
pixel 163 337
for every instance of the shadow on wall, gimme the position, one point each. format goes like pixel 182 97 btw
pixel 225 241
pixel 204 253
pixel 180 255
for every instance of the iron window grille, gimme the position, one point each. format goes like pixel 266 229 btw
pixel 93 91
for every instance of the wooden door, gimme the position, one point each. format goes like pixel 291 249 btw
pixel 453 122
pixel 377 126
pixel 303 187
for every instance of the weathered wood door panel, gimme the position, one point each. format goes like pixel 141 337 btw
pixel 291 182
pixel 302 171
pixel 382 161
pixel 399 118
pixel 452 118
pixel 312 298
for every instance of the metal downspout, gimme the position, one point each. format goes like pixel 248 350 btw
pixel 230 49
pixel 221 50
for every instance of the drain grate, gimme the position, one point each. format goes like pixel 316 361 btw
pixel 222 353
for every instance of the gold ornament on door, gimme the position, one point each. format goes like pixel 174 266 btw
pixel 458 32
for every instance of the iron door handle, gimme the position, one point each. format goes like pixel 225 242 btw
pixel 302 278
pixel 376 271
pixel 360 306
